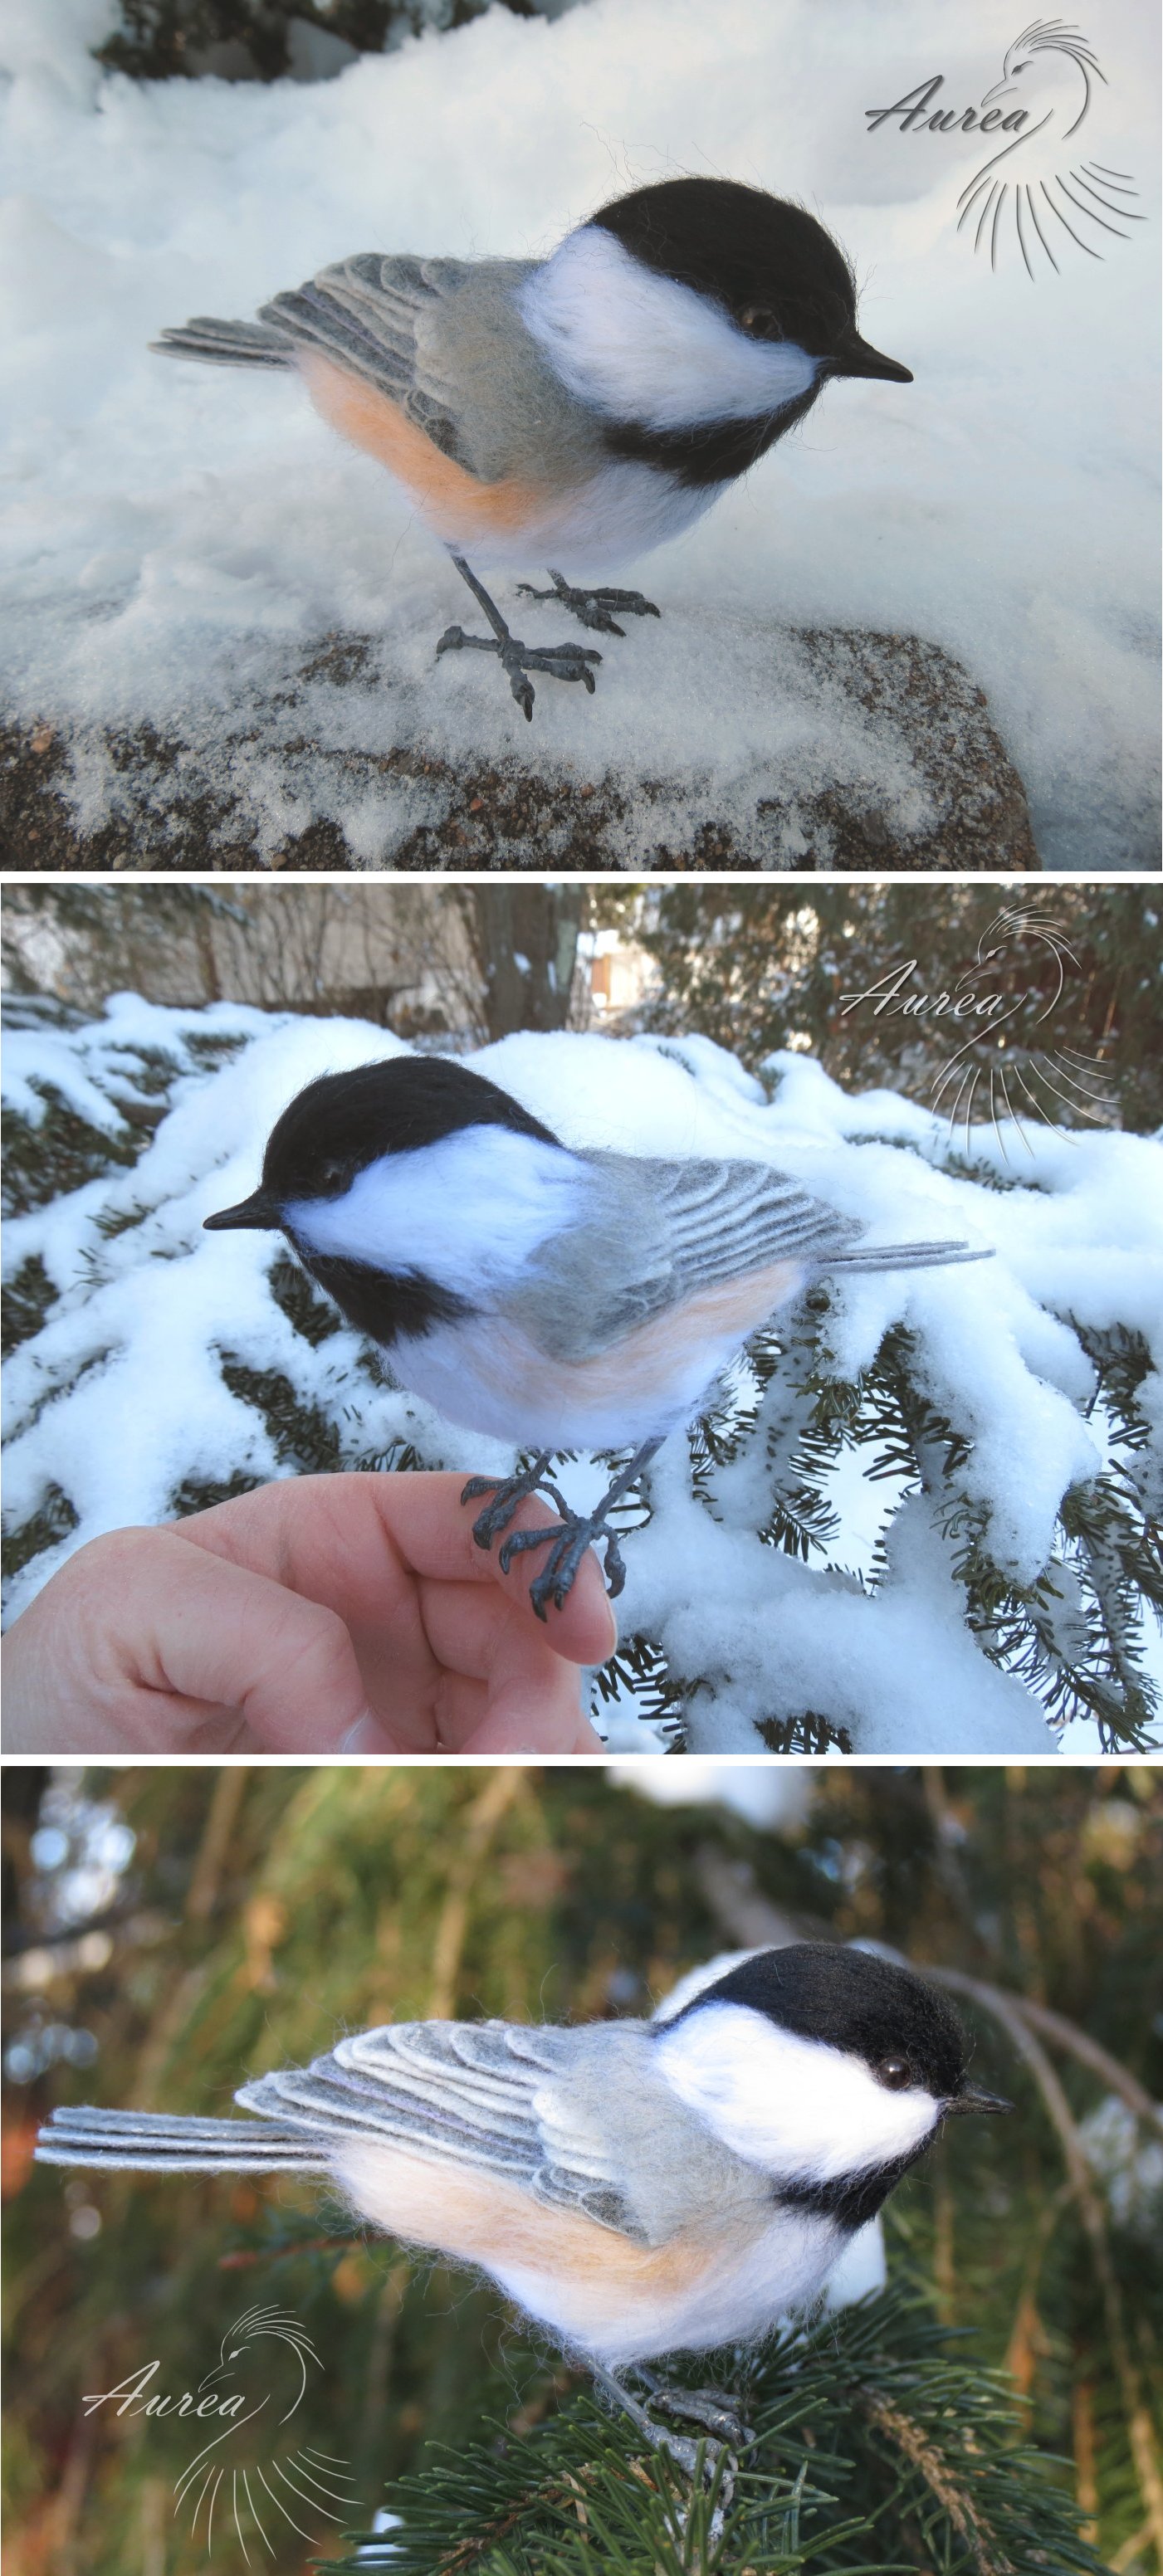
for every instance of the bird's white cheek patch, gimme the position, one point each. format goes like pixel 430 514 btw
pixel 795 2106
pixel 469 1210
pixel 640 348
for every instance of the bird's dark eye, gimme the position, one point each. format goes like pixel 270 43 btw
pixel 331 1174
pixel 759 323
pixel 895 2073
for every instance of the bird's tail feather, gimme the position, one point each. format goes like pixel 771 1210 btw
pixel 903 1256
pixel 163 2142
pixel 227 344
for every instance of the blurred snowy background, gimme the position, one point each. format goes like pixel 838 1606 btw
pixel 917 1520
pixel 174 536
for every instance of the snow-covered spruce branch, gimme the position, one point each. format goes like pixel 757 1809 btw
pixel 921 1518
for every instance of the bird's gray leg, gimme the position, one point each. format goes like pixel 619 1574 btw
pixel 509 1491
pixel 682 2450
pixel 593 607
pixel 699 2406
pixel 570 1538
pixel 562 661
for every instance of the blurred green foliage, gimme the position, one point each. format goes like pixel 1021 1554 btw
pixel 264 1910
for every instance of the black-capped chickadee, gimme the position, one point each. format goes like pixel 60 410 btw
pixel 637 2187
pixel 557 1298
pixel 581 408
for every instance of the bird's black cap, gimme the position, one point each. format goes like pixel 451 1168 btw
pixel 778 272
pixel 867 2006
pixel 345 1120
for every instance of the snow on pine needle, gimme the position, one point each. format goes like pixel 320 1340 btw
pixel 917 1518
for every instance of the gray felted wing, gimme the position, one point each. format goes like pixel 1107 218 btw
pixel 375 316
pixel 481 2093
pixel 657 1232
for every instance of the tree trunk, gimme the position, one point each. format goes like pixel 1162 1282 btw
pixel 524 939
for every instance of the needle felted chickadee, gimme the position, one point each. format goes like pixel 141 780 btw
pixel 581 408
pixel 558 1298
pixel 637 2187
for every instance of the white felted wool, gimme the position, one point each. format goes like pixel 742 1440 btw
pixel 801 2109
pixel 469 1211
pixel 626 511
pixel 642 348
pixel 726 2286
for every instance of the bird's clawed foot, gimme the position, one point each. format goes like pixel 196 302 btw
pixel 708 2407
pixel 593 607
pixel 506 1496
pixel 562 661
pixel 568 1540
pixel 716 2458
pixel 569 1537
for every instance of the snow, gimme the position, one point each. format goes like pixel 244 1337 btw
pixel 766 1794
pixel 178 537
pixel 119 1399
pixel 1129 2165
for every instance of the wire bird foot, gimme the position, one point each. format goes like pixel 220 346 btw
pixel 508 1492
pixel 561 661
pixel 593 607
pixel 567 1539
pixel 704 2406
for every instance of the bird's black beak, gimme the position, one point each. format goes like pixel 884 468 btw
pixel 258 1210
pixel 853 357
pixel 971 2098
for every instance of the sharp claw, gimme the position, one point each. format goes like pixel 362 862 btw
pixel 478 1485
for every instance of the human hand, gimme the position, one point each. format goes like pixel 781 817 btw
pixel 327 1614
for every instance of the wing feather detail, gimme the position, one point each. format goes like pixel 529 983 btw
pixel 485 2095
pixel 659 1232
pixel 479 2093
pixel 368 314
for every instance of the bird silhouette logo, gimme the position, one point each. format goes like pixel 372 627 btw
pixel 1021 1075
pixel 1032 191
pixel 254 2483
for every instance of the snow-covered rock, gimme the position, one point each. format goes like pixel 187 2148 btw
pixel 830 749
pixel 176 537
